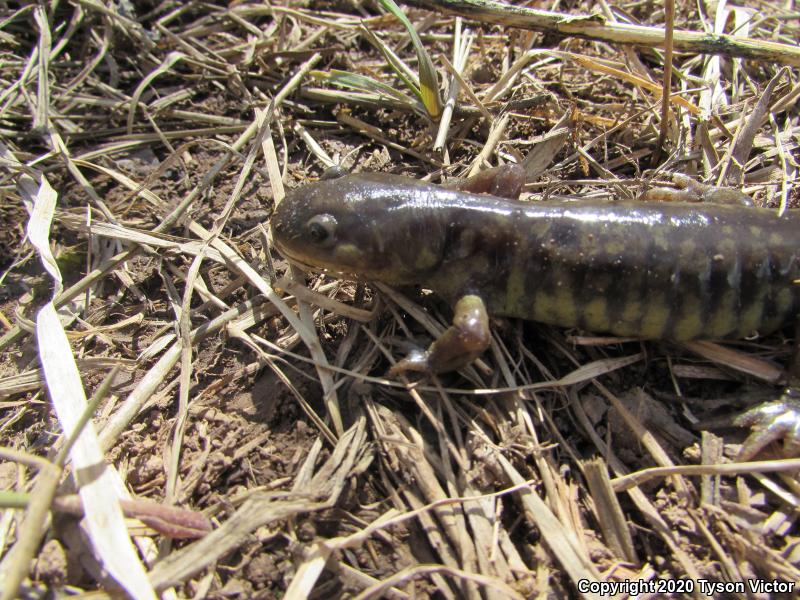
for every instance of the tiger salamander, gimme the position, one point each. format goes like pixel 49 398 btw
pixel 651 270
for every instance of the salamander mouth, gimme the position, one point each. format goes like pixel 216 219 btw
pixel 293 259
pixel 297 259
pixel 309 268
pixel 304 266
pixel 286 251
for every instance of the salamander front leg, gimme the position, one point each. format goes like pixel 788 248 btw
pixel 772 421
pixel 505 181
pixel 462 342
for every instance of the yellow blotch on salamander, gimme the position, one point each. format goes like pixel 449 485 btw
pixel 614 247
pixel 782 301
pixel 628 322
pixel 688 247
pixel 595 314
pixel 723 321
pixel 660 240
pixel 516 294
pixel 426 258
pixel 566 308
pixel 655 317
pixel 776 239
pixel 750 319
pixel 689 324
pixel 544 307
pixel 727 246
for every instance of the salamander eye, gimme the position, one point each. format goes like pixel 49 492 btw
pixel 322 229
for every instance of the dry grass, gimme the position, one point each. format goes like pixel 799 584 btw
pixel 255 444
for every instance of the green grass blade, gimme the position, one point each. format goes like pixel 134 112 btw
pixel 363 83
pixel 428 79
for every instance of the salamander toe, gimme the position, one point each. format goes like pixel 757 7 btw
pixel 771 422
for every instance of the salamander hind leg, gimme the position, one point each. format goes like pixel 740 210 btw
pixel 460 344
pixel 690 190
pixel 771 422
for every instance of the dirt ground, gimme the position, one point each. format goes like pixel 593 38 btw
pixel 248 421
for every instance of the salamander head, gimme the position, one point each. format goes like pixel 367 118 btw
pixel 377 227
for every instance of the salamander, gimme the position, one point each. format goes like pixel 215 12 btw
pixel 651 270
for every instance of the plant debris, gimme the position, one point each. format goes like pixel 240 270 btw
pixel 156 350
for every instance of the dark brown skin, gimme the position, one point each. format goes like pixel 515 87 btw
pixel 652 270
